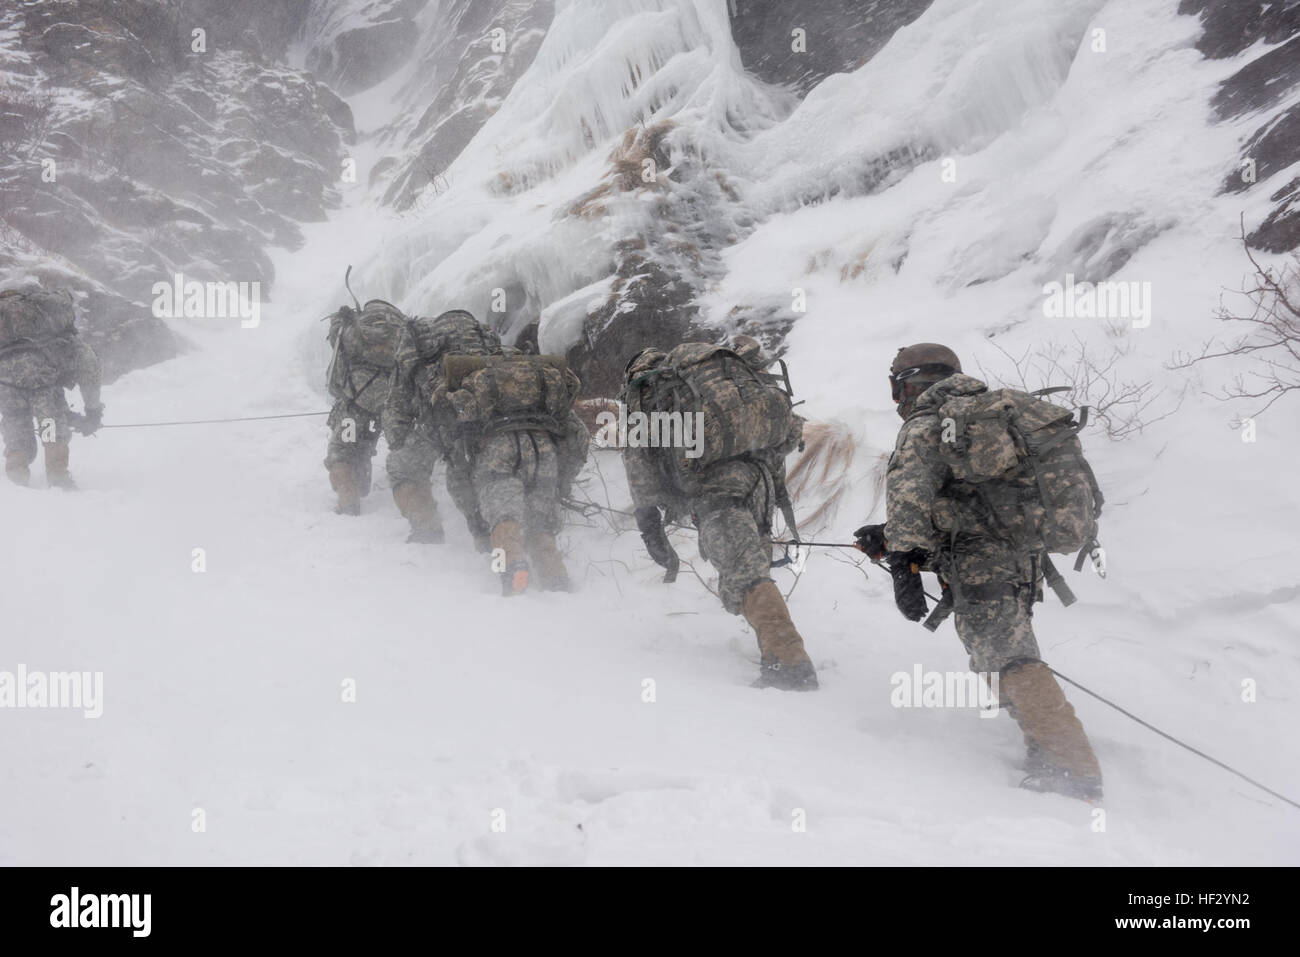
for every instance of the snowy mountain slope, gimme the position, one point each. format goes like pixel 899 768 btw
pixel 223 688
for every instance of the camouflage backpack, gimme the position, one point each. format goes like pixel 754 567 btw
pixel 366 344
pixel 35 318
pixel 454 332
pixel 369 338
pixel 1022 458
pixel 744 410
pixel 39 322
pixel 504 391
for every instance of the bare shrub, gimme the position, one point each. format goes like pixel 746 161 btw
pixel 1117 406
pixel 1269 325
pixel 26 119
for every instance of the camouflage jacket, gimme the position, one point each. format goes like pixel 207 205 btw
pixel 417 381
pixel 67 362
pixel 925 506
pixel 651 480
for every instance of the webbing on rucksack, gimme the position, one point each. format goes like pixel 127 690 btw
pixel 1020 456
pixel 366 344
pixel 743 411
pixel 496 393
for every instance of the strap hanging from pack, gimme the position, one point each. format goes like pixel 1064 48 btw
pixel 1056 582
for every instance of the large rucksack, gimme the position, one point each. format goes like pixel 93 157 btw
pixel 744 411
pixel 502 391
pixel 35 317
pixel 1022 458
pixel 366 344
pixel 455 332
pixel 371 336
pixel 43 322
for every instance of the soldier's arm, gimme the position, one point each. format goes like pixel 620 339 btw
pixel 642 479
pixel 916 473
pixel 399 414
pixel 575 449
pixel 89 378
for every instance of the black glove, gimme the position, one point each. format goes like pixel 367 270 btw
pixel 909 590
pixel 651 524
pixel 92 419
pixel 871 539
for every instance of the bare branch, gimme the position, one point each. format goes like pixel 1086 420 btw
pixel 1272 339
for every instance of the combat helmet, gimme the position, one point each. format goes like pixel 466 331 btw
pixel 922 364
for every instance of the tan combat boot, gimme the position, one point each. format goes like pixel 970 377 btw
pixel 343 481
pixel 415 501
pixel 16 468
pixel 508 537
pixel 544 554
pixel 785 663
pixel 1061 758
pixel 56 466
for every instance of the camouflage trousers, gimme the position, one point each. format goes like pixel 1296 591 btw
pixel 994 617
pixel 25 411
pixel 733 513
pixel 354 439
pixel 995 633
pixel 414 461
pixel 515 475
pixel 460 486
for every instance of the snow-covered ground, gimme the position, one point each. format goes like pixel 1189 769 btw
pixel 493 731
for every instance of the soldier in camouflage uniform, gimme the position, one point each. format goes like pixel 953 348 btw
pixel 507 482
pixel 359 393
pixel 936 524
pixel 33 376
pixel 731 506
pixel 414 437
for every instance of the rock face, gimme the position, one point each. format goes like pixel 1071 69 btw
pixel 837 36
pixel 481 49
pixel 1256 89
pixel 352 53
pixel 147 138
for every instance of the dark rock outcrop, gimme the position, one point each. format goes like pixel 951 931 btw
pixel 138 149
pixel 1230 28
pixel 488 46
pixel 839 36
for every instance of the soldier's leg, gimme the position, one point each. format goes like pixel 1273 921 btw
pixel 410 471
pixel 340 459
pixel 542 515
pixel 999 637
pixel 460 486
pixel 19 439
pixel 731 541
pixel 50 409
pixel 364 463
pixel 497 476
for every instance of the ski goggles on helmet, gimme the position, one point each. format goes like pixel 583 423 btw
pixel 898 380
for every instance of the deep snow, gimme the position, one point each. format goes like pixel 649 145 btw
pixel 223 689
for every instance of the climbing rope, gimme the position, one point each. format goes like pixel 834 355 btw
pixel 1182 744
pixel 247 418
